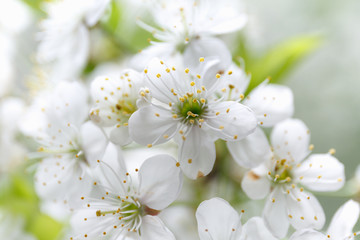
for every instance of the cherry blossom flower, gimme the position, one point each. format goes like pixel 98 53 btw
pixel 282 175
pixel 123 207
pixel 217 220
pixel 340 227
pixel 190 27
pixel 69 145
pixel 65 36
pixel 185 108
pixel 115 101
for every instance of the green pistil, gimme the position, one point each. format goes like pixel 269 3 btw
pixel 191 109
pixel 282 172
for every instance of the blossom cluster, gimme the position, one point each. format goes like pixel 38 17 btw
pixel 115 152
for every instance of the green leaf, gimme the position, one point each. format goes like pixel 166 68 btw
pixel 45 228
pixel 36 5
pixel 130 38
pixel 113 21
pixel 281 59
pixel 17 196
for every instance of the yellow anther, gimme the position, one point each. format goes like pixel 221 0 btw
pixel 201 59
pixel 192 84
pixel 187 70
pixel 218 75
pixel 158 75
pixel 332 151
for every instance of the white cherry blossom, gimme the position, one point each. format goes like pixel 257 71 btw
pixel 283 174
pixel 217 220
pixel 120 207
pixel 65 36
pixel 190 27
pixel 115 100
pixel 69 145
pixel 185 108
pixel 340 227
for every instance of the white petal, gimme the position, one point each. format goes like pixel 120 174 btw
pixel 68 102
pixel 251 151
pixel 93 227
pixel 208 69
pixel 344 220
pixel 271 103
pixel 207 47
pixel 162 81
pixel 164 50
pixel 120 135
pixel 96 12
pixel 152 228
pixel 225 17
pixel 230 120
pixel 62 180
pixel 152 125
pixel 304 210
pixel 290 139
pixel 275 216
pixel 321 172
pixel 307 234
pixel 160 181
pixel 217 220
pixel 235 81
pixel 93 142
pixel 255 229
pixel 111 170
pixel 196 153
pixel 255 186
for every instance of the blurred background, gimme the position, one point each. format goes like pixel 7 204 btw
pixel 310 45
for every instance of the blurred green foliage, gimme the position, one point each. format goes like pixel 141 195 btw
pixel 18 197
pixel 277 62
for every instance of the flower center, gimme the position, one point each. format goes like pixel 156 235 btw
pixel 192 109
pixel 124 108
pixel 282 173
pixel 129 214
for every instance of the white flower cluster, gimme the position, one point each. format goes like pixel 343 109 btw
pixel 184 90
